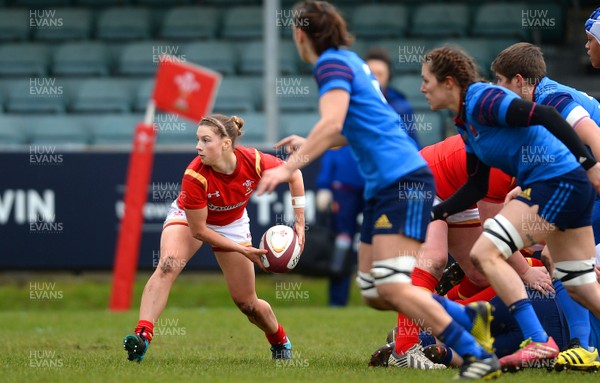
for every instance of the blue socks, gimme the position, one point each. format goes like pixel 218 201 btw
pixel 457 311
pixel 577 316
pixel 528 321
pixel 462 342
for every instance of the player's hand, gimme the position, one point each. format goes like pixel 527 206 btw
pixel 547 260
pixel 254 254
pixel 290 143
pixel 593 174
pixel 512 194
pixel 273 177
pixel 597 270
pixel 299 226
pixel 539 279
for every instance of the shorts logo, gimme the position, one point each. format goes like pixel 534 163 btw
pixel 215 194
pixel 383 222
pixel 526 194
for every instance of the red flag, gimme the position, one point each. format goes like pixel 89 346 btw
pixel 185 89
pixel 136 194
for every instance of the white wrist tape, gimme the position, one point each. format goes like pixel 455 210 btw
pixel 299 202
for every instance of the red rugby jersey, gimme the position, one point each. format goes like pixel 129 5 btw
pixel 226 196
pixel 448 163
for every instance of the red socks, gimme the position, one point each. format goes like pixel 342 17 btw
pixel 278 337
pixel 407 336
pixel 408 331
pixel 424 279
pixel 485 295
pixel 145 328
pixel 465 289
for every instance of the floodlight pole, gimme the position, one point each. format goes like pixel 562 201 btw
pixel 271 72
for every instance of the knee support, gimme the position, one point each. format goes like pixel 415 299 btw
pixel 393 270
pixel 503 234
pixel 366 283
pixel 575 273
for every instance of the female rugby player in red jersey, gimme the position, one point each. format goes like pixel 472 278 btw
pixel 211 208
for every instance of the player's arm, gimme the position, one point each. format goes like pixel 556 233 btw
pixel 333 106
pixel 197 222
pixel 525 113
pixel 589 132
pixel 298 203
pixel 472 191
pixel 578 117
pixel 292 143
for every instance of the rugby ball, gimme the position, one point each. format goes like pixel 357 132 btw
pixel 283 249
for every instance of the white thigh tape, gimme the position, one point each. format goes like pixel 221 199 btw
pixel 503 234
pixel 393 270
pixel 366 285
pixel 575 273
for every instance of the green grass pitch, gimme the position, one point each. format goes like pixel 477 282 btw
pixel 58 329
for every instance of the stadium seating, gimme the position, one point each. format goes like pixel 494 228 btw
pixel 243 22
pixel 174 130
pixel 102 96
pixel 141 58
pixel 190 23
pixel 297 123
pixel 407 53
pixel 297 94
pixel 239 95
pixel 254 129
pixel 62 24
pixel 24 60
pixel 14 24
pixel 113 129
pixel 253 58
pixel 36 95
pixel 12 133
pixel 84 58
pixel 124 23
pixel 478 48
pixel 379 21
pixel 41 3
pixel 221 56
pixel 435 20
pixel 143 92
pixel 103 56
pixel 57 130
pixel 500 20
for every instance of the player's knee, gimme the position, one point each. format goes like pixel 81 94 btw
pixel 503 234
pixel 246 306
pixel 575 273
pixel 170 266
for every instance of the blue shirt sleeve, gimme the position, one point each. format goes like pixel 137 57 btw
pixel 333 73
pixel 490 109
pixel 561 101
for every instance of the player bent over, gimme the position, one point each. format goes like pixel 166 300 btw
pixel 506 132
pixel 211 208
pixel 399 187
pixel 522 69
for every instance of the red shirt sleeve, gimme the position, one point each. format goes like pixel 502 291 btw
pixel 193 193
pixel 268 161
